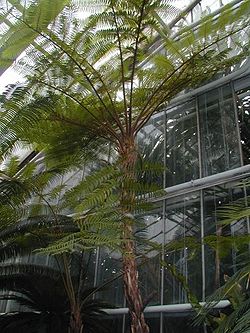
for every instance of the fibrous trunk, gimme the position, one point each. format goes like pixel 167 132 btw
pixel 76 325
pixel 128 156
pixel 131 286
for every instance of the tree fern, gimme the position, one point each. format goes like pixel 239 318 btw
pixel 108 102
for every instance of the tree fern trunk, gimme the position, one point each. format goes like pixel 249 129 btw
pixel 128 154
pixel 76 325
pixel 131 286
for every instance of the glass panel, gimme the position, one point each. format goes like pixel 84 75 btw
pixel 90 260
pixel 219 137
pixel 182 244
pixel 3 305
pixel 114 324
pixel 150 280
pixel 153 321
pixel 242 88
pixel 179 322
pixel 150 141
pixel 220 261
pixel 149 265
pixel 109 266
pixel 182 159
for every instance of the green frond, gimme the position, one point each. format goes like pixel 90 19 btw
pixel 28 170
pixel 225 244
pixel 206 27
pixel 231 290
pixel 100 223
pixel 162 61
pixel 93 182
pixel 233 212
pixel 237 321
pixel 12 166
pixel 14 269
pixel 96 197
pixel 226 17
pixel 80 241
pixel 13 192
pixel 243 9
pixel 21 238
pixel 19 36
pixel 243 321
pixel 182 279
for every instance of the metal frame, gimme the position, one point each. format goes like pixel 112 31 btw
pixel 197 185
pixel 170 308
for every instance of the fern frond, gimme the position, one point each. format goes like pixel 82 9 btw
pixel 93 182
pixel 80 241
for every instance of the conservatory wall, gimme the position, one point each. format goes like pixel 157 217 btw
pixel 203 145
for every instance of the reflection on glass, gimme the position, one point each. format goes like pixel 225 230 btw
pixel 219 137
pixel 114 324
pixel 242 88
pixel 150 280
pixel 180 322
pixel 182 244
pixel 149 265
pixel 220 262
pixel 182 160
pixel 3 305
pixel 109 266
pixel 150 141
pixel 153 321
pixel 90 263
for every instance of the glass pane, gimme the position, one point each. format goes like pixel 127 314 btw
pixel 109 266
pixel 182 160
pixel 179 322
pixel 242 88
pixel 150 279
pixel 153 321
pixel 219 137
pixel 149 265
pixel 182 248
pixel 114 323
pixel 90 264
pixel 150 141
pixel 220 261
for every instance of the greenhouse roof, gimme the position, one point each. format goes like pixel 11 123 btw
pixel 181 12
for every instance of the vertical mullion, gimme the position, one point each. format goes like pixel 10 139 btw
pixel 198 136
pixel 163 216
pixel 203 248
pixel 96 265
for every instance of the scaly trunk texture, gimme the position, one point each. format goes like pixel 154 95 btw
pixel 128 156
pixel 131 286
pixel 76 325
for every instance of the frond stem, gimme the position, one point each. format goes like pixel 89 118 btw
pixel 134 63
pixel 178 69
pixel 122 66
pixel 117 120
pixel 107 129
